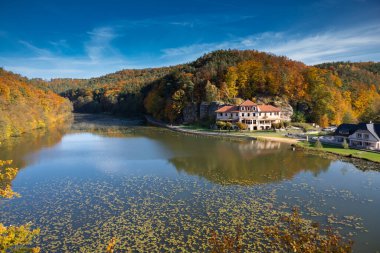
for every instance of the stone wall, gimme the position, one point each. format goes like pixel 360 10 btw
pixel 194 112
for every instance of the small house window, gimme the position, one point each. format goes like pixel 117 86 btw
pixel 242 114
pixel 225 114
pixel 220 114
pixel 359 135
pixel 366 136
pixel 248 114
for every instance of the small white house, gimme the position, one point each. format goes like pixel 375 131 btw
pixel 361 136
pixel 366 137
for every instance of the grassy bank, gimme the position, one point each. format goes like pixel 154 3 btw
pixel 371 156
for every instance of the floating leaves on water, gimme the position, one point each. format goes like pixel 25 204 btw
pixel 149 213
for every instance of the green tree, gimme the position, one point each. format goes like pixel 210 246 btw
pixel 221 124
pixel 242 126
pixel 231 78
pixel 229 126
pixel 212 92
pixel 345 144
pixel 318 144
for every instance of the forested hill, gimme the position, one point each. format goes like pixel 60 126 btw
pixel 130 79
pixel 24 107
pixel 351 72
pixel 327 93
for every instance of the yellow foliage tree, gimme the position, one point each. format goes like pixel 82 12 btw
pixel 13 238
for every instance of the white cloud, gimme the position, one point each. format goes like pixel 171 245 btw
pixel 100 58
pixel 355 44
pixel 360 43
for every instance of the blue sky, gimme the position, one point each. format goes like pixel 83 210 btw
pixel 82 39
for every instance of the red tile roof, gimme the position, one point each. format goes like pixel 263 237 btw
pixel 268 108
pixel 247 103
pixel 228 108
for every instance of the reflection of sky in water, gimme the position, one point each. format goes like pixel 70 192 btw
pixel 312 182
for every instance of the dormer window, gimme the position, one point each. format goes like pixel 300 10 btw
pixel 359 135
pixel 254 108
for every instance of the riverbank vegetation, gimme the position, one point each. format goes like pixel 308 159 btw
pixel 347 152
pixel 24 107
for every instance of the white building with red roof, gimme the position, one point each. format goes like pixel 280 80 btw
pixel 257 117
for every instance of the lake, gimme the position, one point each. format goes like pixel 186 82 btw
pixel 157 190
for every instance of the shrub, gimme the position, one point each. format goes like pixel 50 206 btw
pixel 221 124
pixel 345 144
pixel 242 126
pixel 229 125
pixel 318 144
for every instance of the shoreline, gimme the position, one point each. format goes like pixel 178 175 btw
pixel 155 122
pixel 360 162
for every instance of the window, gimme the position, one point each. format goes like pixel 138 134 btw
pixel 366 136
pixel 225 114
pixel 359 135
pixel 254 108
pixel 237 114
pixel 248 114
pixel 242 114
pixel 254 122
pixel 220 114
pixel 254 114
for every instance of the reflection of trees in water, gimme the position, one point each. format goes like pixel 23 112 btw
pixel 234 161
pixel 249 163
pixel 18 148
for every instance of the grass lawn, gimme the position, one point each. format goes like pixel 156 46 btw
pixel 341 151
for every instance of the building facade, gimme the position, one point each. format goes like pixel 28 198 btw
pixel 366 136
pixel 256 117
pixel 360 136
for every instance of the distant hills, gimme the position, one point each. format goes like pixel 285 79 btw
pixel 329 93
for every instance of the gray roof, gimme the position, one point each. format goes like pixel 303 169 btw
pixel 348 129
pixel 374 129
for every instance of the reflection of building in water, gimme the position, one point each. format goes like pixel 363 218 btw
pixel 250 149
pixel 232 162
pixel 265 145
pixel 248 163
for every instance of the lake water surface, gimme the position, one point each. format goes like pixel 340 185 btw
pixel 158 190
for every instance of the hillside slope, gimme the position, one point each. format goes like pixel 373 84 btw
pixel 326 94
pixel 24 107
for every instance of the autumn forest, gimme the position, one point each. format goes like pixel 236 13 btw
pixel 330 93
